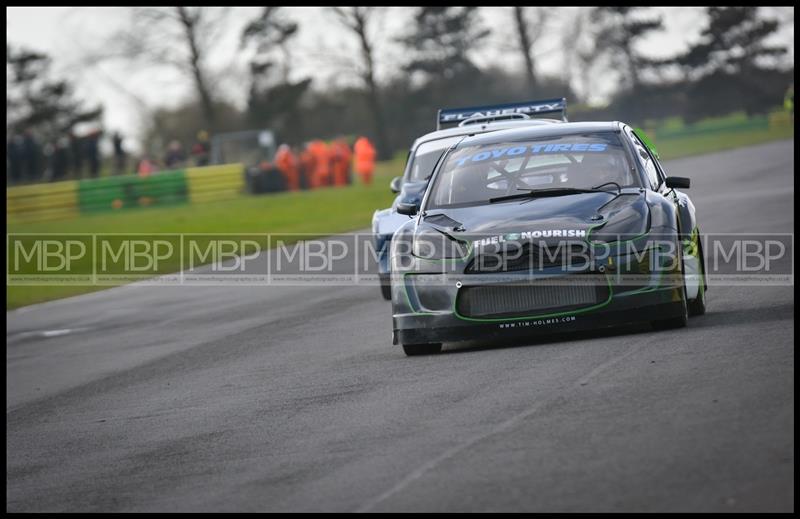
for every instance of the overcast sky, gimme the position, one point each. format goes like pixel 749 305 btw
pixel 68 34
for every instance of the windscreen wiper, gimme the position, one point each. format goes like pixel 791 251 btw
pixel 611 183
pixel 540 193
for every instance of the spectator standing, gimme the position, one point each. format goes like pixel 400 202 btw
pixel 322 164
pixel 306 167
pixel 175 157
pixel 340 163
pixel 14 154
pixel 92 150
pixel 146 167
pixel 120 158
pixel 30 157
pixel 288 164
pixel 365 159
pixel 76 154
pixel 201 149
pixel 349 162
pixel 60 159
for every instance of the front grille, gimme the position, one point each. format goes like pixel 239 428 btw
pixel 538 297
pixel 533 257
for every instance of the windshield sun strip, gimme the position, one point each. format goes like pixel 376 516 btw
pixel 443 162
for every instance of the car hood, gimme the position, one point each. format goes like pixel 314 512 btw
pixel 576 214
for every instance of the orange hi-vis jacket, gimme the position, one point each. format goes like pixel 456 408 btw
pixel 322 163
pixel 341 158
pixel 289 166
pixel 307 166
pixel 365 158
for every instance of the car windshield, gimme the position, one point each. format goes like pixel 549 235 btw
pixel 475 174
pixel 426 156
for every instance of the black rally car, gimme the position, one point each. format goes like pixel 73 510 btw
pixel 545 229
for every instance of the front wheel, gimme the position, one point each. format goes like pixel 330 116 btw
pixel 386 290
pixel 422 349
pixel 683 319
pixel 697 306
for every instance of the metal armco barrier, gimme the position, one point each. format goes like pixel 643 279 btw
pixel 68 199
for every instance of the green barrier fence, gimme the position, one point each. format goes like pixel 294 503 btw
pixel 114 193
pixel 68 199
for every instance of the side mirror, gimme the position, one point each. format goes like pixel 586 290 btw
pixel 408 209
pixel 394 185
pixel 677 182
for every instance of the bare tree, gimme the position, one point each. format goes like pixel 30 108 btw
pixel 578 50
pixel 358 20
pixel 618 32
pixel 192 22
pixel 271 30
pixel 569 36
pixel 39 101
pixel 273 98
pixel 177 37
pixel 528 32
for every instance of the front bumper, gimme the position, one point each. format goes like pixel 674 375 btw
pixel 448 326
pixel 428 306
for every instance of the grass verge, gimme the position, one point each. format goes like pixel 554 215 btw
pixel 677 147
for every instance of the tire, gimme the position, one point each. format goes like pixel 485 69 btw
pixel 682 320
pixel 422 349
pixel 697 306
pixel 386 288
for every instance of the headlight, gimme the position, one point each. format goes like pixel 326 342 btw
pixel 433 245
pixel 434 292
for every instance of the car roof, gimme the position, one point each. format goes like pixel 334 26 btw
pixel 477 128
pixel 540 131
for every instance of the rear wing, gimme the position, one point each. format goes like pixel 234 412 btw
pixel 525 110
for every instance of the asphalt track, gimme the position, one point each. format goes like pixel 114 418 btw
pixel 294 399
